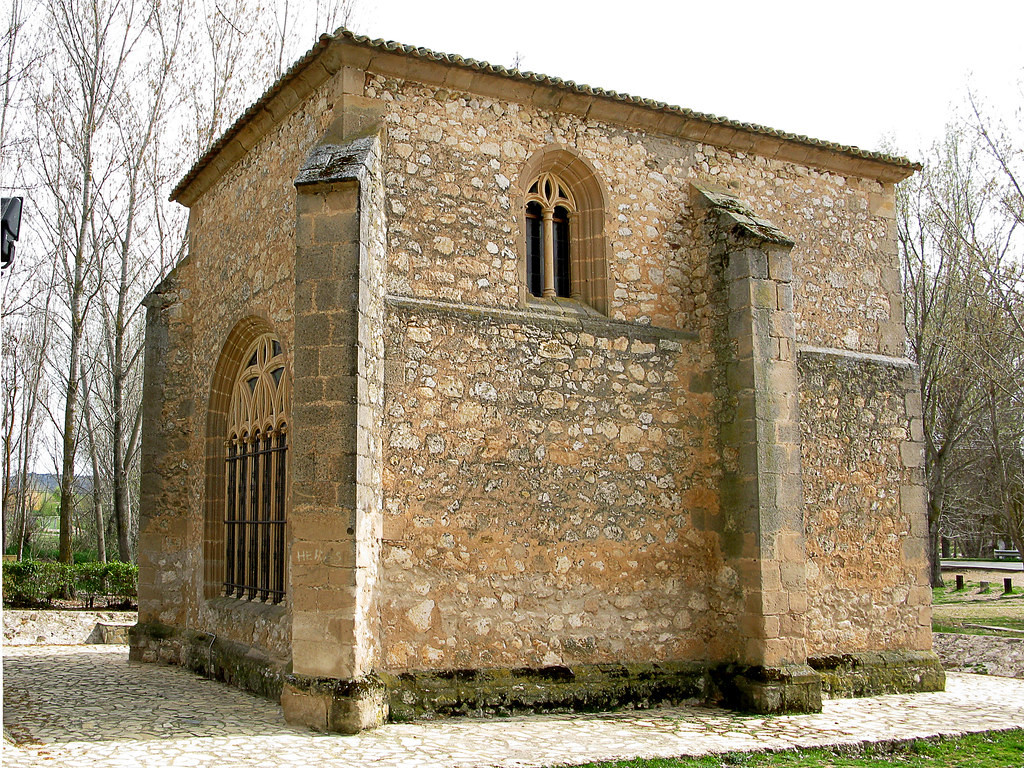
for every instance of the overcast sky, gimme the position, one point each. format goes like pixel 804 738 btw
pixel 853 73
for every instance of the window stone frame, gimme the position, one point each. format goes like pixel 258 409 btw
pixel 230 363
pixel 588 243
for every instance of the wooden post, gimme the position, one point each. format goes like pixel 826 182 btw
pixel 1007 586
pixel 959 582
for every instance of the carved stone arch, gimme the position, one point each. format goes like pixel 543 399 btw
pixel 589 244
pixel 231 361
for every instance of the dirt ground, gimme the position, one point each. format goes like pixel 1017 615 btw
pixel 1009 608
pixel 970 604
pixel 994 577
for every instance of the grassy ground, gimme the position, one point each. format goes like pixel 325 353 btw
pixel 972 594
pixel 956 611
pixel 986 750
pixel 970 626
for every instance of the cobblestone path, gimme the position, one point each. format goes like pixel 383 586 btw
pixel 87 706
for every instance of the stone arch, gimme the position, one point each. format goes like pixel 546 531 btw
pixel 229 362
pixel 589 245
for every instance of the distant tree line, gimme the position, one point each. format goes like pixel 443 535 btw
pixel 105 104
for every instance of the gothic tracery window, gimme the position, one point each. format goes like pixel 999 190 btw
pixel 256 475
pixel 549 210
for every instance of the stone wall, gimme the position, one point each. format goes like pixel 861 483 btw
pixel 981 655
pixel 546 484
pixel 66 627
pixel 867 575
pixel 239 270
pixel 482 481
pixel 455 157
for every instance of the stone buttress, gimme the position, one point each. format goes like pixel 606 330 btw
pixel 336 497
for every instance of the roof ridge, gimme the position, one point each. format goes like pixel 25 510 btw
pixel 420 52
pixel 498 69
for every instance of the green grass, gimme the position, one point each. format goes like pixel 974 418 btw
pixel 959 626
pixel 50 507
pixel 970 611
pixel 984 750
pixel 948 595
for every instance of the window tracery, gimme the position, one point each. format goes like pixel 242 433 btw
pixel 549 208
pixel 562 244
pixel 256 475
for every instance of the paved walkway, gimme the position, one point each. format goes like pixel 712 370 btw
pixel 983 565
pixel 86 706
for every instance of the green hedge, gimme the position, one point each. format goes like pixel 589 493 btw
pixel 30 583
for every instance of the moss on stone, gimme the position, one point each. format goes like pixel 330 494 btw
pixel 153 631
pixel 503 692
pixel 212 657
pixel 852 675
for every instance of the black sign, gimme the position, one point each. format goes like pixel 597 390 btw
pixel 10 229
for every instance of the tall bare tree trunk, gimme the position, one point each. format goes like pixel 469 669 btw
pixel 934 537
pixel 10 405
pixel 94 39
pixel 97 490
pixel 69 443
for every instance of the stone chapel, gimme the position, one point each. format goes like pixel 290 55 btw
pixel 481 391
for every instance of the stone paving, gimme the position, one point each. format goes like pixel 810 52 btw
pixel 87 706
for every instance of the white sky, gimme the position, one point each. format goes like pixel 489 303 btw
pixel 852 73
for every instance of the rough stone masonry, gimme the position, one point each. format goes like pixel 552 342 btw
pixel 696 476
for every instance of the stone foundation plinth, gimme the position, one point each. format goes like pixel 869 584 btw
pixel 583 688
pixel 334 706
pixel 208 655
pixel 852 675
pixel 348 706
pixel 793 688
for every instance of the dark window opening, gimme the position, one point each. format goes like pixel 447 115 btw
pixel 255 519
pixel 549 208
pixel 560 230
pixel 534 250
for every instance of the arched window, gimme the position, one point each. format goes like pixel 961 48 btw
pixel 564 249
pixel 549 208
pixel 255 474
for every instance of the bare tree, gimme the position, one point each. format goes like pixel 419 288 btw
pixel 93 41
pixel 247 45
pixel 938 308
pixel 959 235
pixel 24 344
pixel 19 55
pixel 296 28
pixel 135 260
pixel 97 490
pixel 125 94
pixel 232 41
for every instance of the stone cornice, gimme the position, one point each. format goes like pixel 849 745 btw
pixel 855 357
pixel 555 315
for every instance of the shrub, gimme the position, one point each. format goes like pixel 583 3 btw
pixel 56 580
pixel 91 581
pixel 21 583
pixel 84 556
pixel 123 581
pixel 31 583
